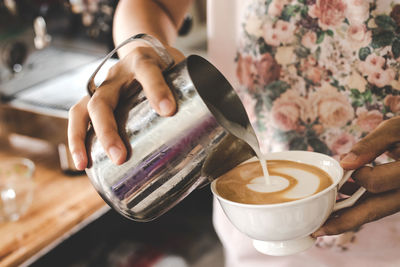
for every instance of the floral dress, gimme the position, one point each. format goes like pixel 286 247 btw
pixel 319 74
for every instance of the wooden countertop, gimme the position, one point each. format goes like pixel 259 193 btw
pixel 61 206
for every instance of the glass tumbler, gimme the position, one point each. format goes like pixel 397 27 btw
pixel 16 187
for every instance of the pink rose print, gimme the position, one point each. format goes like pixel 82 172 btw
pixel 311 70
pixel 268 69
pixel 340 143
pixel 382 77
pixel 312 61
pixel 275 8
pixel 271 35
pixel 332 107
pixel 246 72
pixel 251 72
pixel 368 120
pixel 330 13
pixel 309 40
pixel 359 36
pixel 373 66
pixel 314 74
pixel 321 77
pixel 285 31
pixel 279 32
pixel 393 102
pixel 372 63
pixel 357 11
pixel 287 110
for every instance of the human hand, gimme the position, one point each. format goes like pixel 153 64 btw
pixel 382 181
pixel 142 64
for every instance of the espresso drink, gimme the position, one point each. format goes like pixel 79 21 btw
pixel 289 180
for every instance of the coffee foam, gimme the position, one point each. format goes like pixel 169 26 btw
pixel 277 183
pixel 290 181
pixel 305 187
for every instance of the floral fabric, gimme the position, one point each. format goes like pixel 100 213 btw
pixel 319 74
pixel 313 75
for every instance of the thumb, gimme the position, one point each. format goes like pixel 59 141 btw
pixel 371 146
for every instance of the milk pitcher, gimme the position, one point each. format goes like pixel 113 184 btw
pixel 168 157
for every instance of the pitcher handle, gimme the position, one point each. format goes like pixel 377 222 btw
pixel 153 42
pixel 354 197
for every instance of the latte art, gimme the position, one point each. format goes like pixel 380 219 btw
pixel 289 181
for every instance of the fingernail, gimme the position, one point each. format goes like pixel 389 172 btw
pixel 318 233
pixel 115 153
pixel 78 159
pixel 165 107
pixel 350 157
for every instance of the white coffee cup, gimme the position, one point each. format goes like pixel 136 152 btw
pixel 285 228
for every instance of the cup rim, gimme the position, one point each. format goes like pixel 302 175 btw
pixel 21 160
pixel 284 204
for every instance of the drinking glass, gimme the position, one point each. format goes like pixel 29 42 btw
pixel 16 187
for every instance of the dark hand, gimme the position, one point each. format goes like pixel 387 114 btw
pixel 382 182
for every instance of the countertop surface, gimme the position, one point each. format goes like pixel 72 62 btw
pixel 61 205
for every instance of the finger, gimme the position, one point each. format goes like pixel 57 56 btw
pixel 380 178
pixel 349 188
pixel 77 127
pixel 373 145
pixel 148 71
pixel 101 110
pixel 394 151
pixel 367 210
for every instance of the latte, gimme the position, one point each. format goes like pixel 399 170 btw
pixel 289 181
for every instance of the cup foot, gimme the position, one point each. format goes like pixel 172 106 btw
pixel 283 248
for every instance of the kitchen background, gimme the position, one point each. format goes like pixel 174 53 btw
pixel 48 49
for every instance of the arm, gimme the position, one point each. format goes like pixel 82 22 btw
pixel 160 18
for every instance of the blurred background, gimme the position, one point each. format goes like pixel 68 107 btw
pixel 48 49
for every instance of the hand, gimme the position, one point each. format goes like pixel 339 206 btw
pixel 141 64
pixel 382 181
